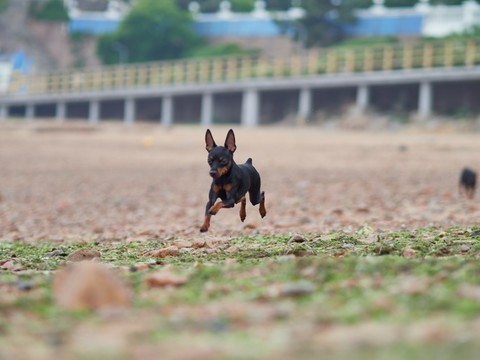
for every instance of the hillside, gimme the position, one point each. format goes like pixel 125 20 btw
pixel 47 43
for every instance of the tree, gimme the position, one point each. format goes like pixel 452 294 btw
pixel 152 30
pixel 48 10
pixel 3 5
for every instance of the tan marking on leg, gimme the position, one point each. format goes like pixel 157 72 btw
pixel 262 209
pixel 216 208
pixel 206 223
pixel 243 213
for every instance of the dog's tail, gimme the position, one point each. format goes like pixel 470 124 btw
pixel 249 161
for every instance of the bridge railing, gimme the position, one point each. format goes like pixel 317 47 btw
pixel 235 68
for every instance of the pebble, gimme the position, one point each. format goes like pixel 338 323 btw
pixel 22 285
pixel 53 253
pixel 297 288
pixel 296 238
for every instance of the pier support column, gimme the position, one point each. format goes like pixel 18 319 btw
pixel 207 109
pixel 425 100
pixel 250 108
pixel 304 106
pixel 363 98
pixel 167 111
pixel 30 112
pixel 3 112
pixel 129 111
pixel 61 111
pixel 94 112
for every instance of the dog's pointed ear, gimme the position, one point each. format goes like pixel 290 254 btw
pixel 210 143
pixel 230 141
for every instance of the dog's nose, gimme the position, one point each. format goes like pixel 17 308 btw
pixel 213 172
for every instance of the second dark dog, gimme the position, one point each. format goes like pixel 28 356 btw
pixel 230 182
pixel 468 182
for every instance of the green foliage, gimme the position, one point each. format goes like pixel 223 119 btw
pixel 153 30
pixel 367 41
pixel 324 20
pixel 3 5
pixel 49 10
pixel 242 5
pixel 220 50
pixel 338 280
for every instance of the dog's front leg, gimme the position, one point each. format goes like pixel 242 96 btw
pixel 212 196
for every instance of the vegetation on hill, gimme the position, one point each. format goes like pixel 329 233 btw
pixel 3 5
pixel 163 30
pixel 49 10
pixel 157 30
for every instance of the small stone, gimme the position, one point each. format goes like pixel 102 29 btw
pixel 198 243
pixel 139 267
pixel 54 253
pixel 89 285
pixel 84 255
pixel 297 288
pixel 11 265
pixel 285 258
pixel 296 238
pixel 475 233
pixel 164 278
pixel 464 248
pixel 22 285
pixel 182 243
pixel 231 249
pixel 409 252
pixel 168 251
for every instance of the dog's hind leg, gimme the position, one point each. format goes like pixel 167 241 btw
pixel 243 212
pixel 262 209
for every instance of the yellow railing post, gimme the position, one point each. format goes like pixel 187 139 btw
pixel 142 75
pixel 295 65
pixel 407 57
pixel 312 62
pixel 231 68
pixel 368 60
pixel 203 74
pixel 470 56
pixel 331 61
pixel 278 67
pixel 217 69
pixel 155 74
pixel 349 60
pixel 427 55
pixel 190 71
pixel 387 63
pixel 246 67
pixel 448 54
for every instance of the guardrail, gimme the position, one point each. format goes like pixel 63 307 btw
pixel 233 68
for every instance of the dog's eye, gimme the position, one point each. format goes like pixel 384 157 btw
pixel 224 162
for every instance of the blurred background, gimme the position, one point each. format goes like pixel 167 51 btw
pixel 353 64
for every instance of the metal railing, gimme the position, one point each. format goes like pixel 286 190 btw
pixel 234 68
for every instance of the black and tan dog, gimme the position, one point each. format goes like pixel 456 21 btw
pixel 230 182
pixel 468 182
